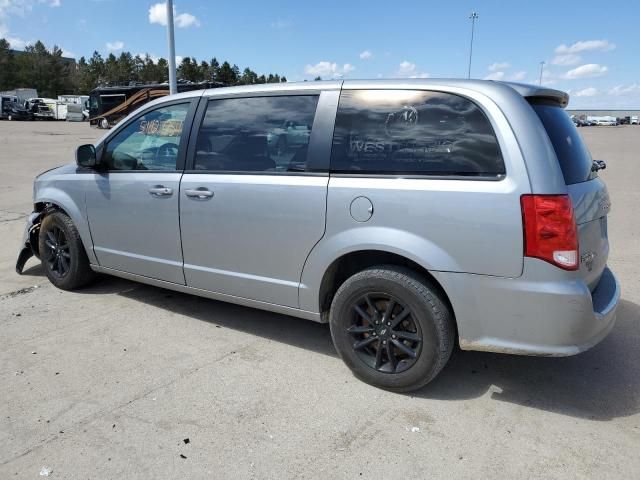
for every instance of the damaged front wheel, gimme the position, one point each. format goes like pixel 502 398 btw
pixel 62 254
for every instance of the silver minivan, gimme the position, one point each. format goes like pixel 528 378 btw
pixel 410 215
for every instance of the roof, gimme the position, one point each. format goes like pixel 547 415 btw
pixel 486 86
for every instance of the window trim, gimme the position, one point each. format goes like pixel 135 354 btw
pixel 202 111
pixel 184 137
pixel 492 177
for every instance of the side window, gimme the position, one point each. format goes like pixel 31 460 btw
pixel 256 134
pixel 151 142
pixel 413 132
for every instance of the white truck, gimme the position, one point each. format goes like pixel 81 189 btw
pixel 77 107
pixel 57 109
pixel 633 120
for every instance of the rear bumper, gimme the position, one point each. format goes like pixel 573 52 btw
pixel 531 315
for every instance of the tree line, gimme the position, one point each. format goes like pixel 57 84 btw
pixel 51 74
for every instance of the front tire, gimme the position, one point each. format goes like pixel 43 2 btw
pixel 392 328
pixel 63 257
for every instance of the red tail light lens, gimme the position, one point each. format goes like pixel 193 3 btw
pixel 550 231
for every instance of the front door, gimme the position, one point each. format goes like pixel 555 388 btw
pixel 133 204
pixel 253 204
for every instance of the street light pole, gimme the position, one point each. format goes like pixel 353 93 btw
pixel 473 17
pixel 173 88
pixel 541 69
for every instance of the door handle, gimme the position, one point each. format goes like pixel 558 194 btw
pixel 161 191
pixel 200 193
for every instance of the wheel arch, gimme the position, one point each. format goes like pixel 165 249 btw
pixel 353 262
pixel 57 200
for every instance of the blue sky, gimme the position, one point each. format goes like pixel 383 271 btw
pixel 590 47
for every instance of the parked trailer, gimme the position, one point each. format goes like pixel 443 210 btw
pixel 77 107
pixel 109 105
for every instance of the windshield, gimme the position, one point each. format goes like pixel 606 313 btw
pixel 573 155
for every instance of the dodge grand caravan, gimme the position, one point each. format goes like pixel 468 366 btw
pixel 409 215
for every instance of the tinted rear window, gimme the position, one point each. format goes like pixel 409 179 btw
pixel 573 155
pixel 413 132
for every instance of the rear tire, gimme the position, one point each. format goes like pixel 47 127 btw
pixel 62 253
pixel 392 328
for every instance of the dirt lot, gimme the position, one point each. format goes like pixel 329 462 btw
pixel 109 382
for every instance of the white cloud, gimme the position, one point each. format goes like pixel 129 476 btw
pixel 328 69
pixel 52 3
pixel 587 92
pixel 517 76
pixel 585 46
pixel 158 14
pixel 494 67
pixel 154 58
pixel 366 55
pixel 620 90
pixel 566 59
pixel 67 53
pixel 185 20
pixel 586 71
pixel 348 68
pixel 17 43
pixel 113 46
pixel 406 69
pixel 14 7
pixel 495 76
pixel 498 72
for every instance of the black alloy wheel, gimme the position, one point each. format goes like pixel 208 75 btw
pixel 392 327
pixel 385 335
pixel 57 253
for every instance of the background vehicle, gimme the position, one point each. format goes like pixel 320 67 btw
pixel 415 212
pixel 39 109
pixel 108 105
pixel 603 120
pixel 77 107
pixel 5 102
pixel 633 120
pixel 11 110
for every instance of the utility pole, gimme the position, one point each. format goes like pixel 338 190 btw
pixel 473 17
pixel 541 69
pixel 173 88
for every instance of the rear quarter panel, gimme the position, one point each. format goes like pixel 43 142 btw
pixel 467 226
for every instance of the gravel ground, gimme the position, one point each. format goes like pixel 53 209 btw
pixel 123 380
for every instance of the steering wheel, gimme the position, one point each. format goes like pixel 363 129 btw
pixel 168 149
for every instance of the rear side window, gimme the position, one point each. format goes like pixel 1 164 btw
pixel 573 155
pixel 256 134
pixel 413 132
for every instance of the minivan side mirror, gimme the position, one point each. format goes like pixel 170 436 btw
pixel 86 156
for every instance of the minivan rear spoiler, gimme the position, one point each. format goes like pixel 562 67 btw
pixel 539 93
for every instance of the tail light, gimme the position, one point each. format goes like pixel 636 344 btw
pixel 550 231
